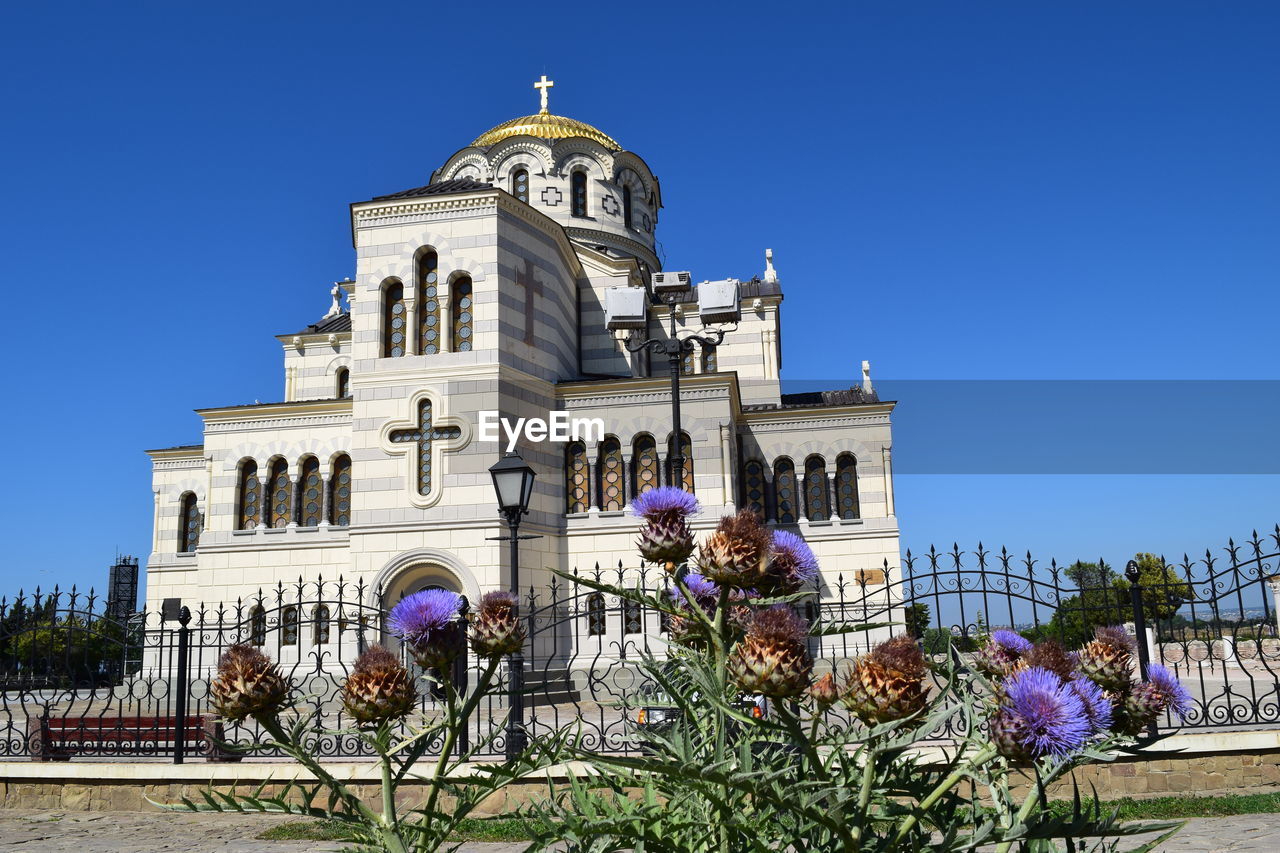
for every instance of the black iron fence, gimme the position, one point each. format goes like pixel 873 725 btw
pixel 75 681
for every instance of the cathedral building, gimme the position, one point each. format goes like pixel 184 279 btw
pixel 487 290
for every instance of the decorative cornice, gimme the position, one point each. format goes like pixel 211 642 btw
pixel 808 419
pixel 591 235
pixel 375 213
pixel 194 464
pixel 256 425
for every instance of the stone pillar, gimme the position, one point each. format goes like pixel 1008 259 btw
pixel 324 500
pixel 264 493
pixel 594 486
pixel 445 298
pixel 726 467
pixel 155 519
pixel 295 506
pixel 888 482
pixel 627 486
pixel 411 325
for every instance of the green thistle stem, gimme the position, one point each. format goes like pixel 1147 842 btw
pixel 979 759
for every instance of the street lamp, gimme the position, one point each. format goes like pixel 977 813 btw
pixel 717 301
pixel 513 484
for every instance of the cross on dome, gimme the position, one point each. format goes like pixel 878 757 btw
pixel 543 85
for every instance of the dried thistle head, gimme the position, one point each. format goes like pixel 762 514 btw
pixel 737 553
pixel 887 683
pixel 1050 655
pixel 248 684
pixel 772 658
pixel 824 693
pixel 497 629
pixel 378 689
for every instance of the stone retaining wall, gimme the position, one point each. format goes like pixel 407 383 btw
pixel 1196 764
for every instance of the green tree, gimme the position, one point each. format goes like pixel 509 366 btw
pixel 916 617
pixel 1163 591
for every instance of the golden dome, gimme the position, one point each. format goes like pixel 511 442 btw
pixel 545 126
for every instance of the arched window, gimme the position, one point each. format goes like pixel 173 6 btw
pixel 340 492
pixel 189 524
pixel 595 615
pixel 520 184
pixel 343 383
pixel 577 485
pixel 258 626
pixel 632 617
pixel 393 321
pixel 686 364
pixel 847 485
pixel 279 492
pixel 645 462
pixel 289 626
pixel 753 486
pixel 312 497
pixel 709 363
pixel 428 304
pixel 610 467
pixel 320 625
pixel 685 477
pixel 626 205
pixel 817 492
pixel 784 491
pixel 250 506
pixel 462 314
pixel 578 190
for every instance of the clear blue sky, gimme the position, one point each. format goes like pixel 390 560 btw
pixel 955 191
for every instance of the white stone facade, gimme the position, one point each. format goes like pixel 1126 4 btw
pixel 536 342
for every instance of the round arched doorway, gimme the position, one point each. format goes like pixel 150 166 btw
pixel 420 578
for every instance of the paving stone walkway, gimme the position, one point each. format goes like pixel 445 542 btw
pixel 30 831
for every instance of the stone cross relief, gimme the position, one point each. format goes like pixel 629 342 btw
pixel 551 196
pixel 423 435
pixel 531 287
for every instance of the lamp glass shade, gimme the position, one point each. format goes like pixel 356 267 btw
pixel 512 482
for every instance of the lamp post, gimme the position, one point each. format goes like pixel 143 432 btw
pixel 675 349
pixel 513 484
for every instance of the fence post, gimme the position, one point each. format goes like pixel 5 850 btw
pixel 1139 626
pixel 183 686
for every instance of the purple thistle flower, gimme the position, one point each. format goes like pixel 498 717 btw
pixel 1011 641
pixel 1175 696
pixel 1051 716
pixel 702 590
pixel 665 502
pixel 793 557
pixel 1097 707
pixel 417 616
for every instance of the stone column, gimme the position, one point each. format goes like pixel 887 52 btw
pixel 594 486
pixel 264 493
pixel 445 298
pixel 324 500
pixel 627 485
pixel 833 495
pixel 411 325
pixel 155 519
pixel 295 507
pixel 888 482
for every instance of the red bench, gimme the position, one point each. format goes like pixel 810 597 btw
pixel 59 738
